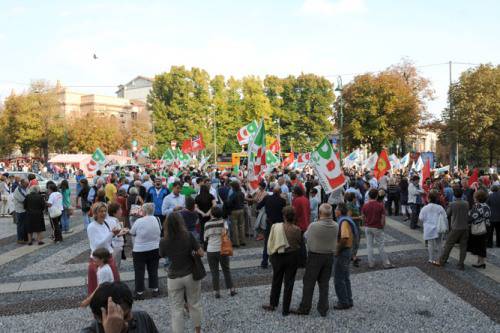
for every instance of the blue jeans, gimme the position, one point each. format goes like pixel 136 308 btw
pixel 22 235
pixel 341 277
pixel 86 219
pixel 65 220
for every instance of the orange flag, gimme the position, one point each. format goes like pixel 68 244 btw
pixel 382 166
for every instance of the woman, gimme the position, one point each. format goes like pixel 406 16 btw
pixel 100 235
pixel 84 204
pixel 190 217
pixel 4 196
pixel 478 215
pixel 114 215
pixel 429 217
pixel 179 246
pixel 35 222
pixel 55 204
pixel 133 199
pixel 258 216
pixel 66 194
pixel 403 196
pixel 355 214
pixel 146 231
pixel 212 237
pixel 234 207
pixel 204 203
pixel 284 263
pixel 100 196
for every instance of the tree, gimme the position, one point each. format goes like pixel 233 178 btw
pixel 91 131
pixel 140 129
pixel 384 108
pixel 474 119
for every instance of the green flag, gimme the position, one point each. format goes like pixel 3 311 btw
pixel 256 157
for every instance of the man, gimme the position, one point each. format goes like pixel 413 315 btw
pixel 374 216
pixel 156 195
pixel 98 175
pixel 303 214
pixel 274 205
pixel 336 197
pixel 79 176
pixel 494 203
pixel 372 180
pixel 111 306
pixel 321 243
pixel 458 212
pixel 353 188
pixel 346 237
pixel 93 190
pixel 19 197
pixel 415 194
pixel 147 183
pixel 174 201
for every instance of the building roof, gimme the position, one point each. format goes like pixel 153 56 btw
pixel 139 77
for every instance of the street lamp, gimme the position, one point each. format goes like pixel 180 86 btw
pixel 341 104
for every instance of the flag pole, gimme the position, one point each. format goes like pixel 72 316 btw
pixel 215 138
pixel 279 139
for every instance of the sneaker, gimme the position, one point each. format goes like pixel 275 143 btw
pixel 155 293
pixel 139 296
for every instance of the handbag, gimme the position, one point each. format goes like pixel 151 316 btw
pixel 54 211
pixel 442 224
pixel 199 271
pixel 226 247
pixel 478 228
pixel 136 210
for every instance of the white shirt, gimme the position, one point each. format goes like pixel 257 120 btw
pixel 117 241
pixel 171 201
pixel 413 191
pixel 373 182
pixel 147 185
pixel 429 215
pixel 99 236
pixel 171 180
pixel 104 274
pixel 147 234
pixel 56 200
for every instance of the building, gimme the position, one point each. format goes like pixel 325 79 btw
pixel 425 140
pixel 137 89
pixel 77 103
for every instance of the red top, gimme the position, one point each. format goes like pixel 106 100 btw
pixel 122 201
pixel 373 212
pixel 302 212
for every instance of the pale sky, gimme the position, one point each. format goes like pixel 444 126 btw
pixel 55 40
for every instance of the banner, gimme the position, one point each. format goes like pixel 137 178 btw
pixel 256 157
pixel 193 145
pixel 405 161
pixel 369 163
pixel 382 166
pixel 97 160
pixel 327 167
pixel 395 163
pixel 246 132
pixel 303 159
pixel 352 159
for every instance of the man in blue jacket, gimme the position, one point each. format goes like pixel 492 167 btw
pixel 156 194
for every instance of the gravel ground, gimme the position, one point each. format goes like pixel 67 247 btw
pixel 401 300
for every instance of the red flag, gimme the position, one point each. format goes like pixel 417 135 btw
pixel 288 160
pixel 197 143
pixel 186 146
pixel 275 146
pixel 382 166
pixel 426 171
pixel 475 176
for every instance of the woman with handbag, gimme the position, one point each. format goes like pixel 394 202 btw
pixel 55 208
pixel 216 237
pixel 184 273
pixel 433 218
pixel 479 220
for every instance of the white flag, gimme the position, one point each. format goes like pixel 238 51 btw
pixel 369 163
pixel 405 160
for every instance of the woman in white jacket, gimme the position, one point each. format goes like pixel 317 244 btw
pixel 430 217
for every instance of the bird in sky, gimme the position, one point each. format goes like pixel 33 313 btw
pixel 95 56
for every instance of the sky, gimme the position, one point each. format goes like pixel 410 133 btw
pixel 56 40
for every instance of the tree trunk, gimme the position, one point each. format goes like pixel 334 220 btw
pixel 403 146
pixel 491 155
pixel 45 150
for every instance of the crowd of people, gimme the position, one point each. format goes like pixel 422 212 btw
pixel 184 215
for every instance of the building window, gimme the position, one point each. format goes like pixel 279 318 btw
pixel 134 115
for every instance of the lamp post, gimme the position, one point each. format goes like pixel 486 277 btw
pixel 341 105
pixel 215 136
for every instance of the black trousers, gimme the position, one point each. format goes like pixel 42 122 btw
pixel 496 226
pixel 318 269
pixel 284 270
pixel 388 204
pixel 143 260
pixel 415 212
pixel 55 223
pixel 302 252
pixel 214 258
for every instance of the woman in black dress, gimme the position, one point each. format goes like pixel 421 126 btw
pixel 204 203
pixel 35 222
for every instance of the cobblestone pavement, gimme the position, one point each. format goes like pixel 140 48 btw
pixel 41 287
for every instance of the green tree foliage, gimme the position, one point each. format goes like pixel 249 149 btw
pixel 475 116
pixel 383 108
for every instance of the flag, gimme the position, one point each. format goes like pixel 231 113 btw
pixel 275 146
pixel 271 159
pixel 327 167
pixel 97 159
pixel 395 163
pixel 186 146
pixel 425 172
pixel 256 157
pixel 197 143
pixel 475 177
pixel 182 158
pixel 246 132
pixel 303 159
pixel 405 160
pixel 168 156
pixel 369 163
pixel 382 166
pixel 144 152
pixel 352 158
pixel 288 160
pixel 420 164
pixel 204 160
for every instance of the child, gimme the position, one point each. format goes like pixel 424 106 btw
pixel 104 272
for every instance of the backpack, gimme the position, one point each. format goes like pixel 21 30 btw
pixel 354 227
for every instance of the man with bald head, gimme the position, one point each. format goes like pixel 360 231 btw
pixel 321 240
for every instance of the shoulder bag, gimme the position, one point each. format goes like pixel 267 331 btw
pixel 226 247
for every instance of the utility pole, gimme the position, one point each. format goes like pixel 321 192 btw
pixel 341 104
pixel 279 140
pixel 215 138
pixel 453 118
